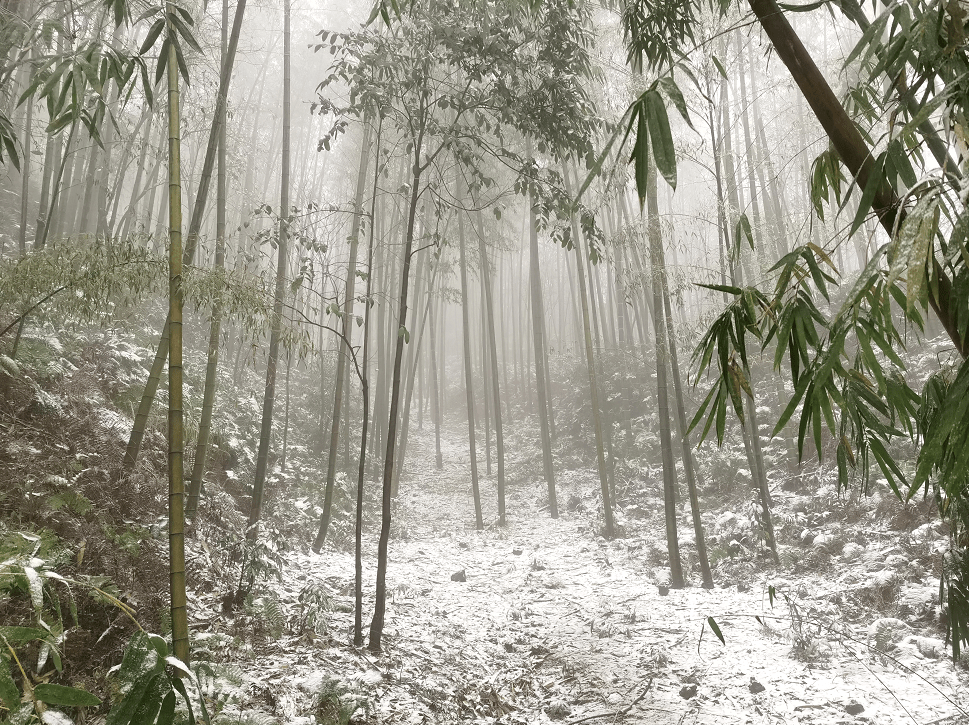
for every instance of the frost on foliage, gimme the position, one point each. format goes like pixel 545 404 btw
pixel 55 717
pixel 9 366
pixel 116 423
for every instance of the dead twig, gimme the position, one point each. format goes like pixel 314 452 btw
pixel 615 713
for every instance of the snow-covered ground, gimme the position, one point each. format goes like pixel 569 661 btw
pixel 555 624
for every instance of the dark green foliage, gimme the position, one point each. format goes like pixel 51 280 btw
pixel 149 679
pixel 845 362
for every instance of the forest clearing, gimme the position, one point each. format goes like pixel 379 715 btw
pixel 484 361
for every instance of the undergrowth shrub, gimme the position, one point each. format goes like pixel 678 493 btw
pixel 336 704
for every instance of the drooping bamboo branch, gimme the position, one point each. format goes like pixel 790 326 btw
pixel 851 147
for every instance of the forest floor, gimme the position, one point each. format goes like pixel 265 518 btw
pixel 554 623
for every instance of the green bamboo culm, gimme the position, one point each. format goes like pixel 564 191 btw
pixel 176 483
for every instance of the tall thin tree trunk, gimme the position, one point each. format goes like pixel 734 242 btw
pixel 538 327
pixel 347 327
pixel 377 623
pixel 689 465
pixel 468 374
pixel 176 483
pixel 610 528
pixel 491 347
pixel 25 176
pixel 118 226
pixel 413 358
pixel 42 234
pixel 148 396
pixel 269 399
pixel 51 162
pixel 435 393
pixel 365 422
pixel 662 396
pixel 212 362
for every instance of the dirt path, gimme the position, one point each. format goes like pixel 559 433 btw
pixel 555 624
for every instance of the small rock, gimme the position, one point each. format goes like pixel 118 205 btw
pixel 517 551
pixel 688 692
pixel 614 698
pixel 459 576
pixel 558 710
pixel 854 708
pixel 663 590
pixel 755 686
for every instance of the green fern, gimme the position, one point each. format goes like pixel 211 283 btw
pixel 336 704
pixel 269 613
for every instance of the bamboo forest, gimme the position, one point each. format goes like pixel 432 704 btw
pixel 484 361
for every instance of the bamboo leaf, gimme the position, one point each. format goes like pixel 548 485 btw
pixel 20 635
pixel 729 289
pixel 166 715
pixel 870 39
pixel 36 590
pixel 153 32
pixel 182 67
pixel 676 97
pixel 9 692
pixel 67 696
pixel 664 153
pixel 162 60
pixel 184 33
pixel 641 152
pixel 875 180
pixel 715 628
pixel 741 231
pixel 720 68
